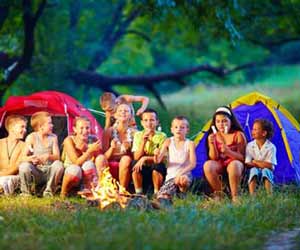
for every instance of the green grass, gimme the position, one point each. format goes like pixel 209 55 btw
pixel 192 223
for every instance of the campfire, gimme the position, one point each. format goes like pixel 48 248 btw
pixel 109 191
pixel 110 194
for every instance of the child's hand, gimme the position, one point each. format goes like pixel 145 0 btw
pixel 146 135
pixel 211 139
pixel 139 111
pixel 43 158
pixel 114 143
pixel 95 147
pixel 139 165
pixel 156 152
pixel 34 159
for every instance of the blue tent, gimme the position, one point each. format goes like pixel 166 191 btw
pixel 286 135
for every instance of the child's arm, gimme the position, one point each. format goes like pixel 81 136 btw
pixel 108 116
pixel 241 146
pixel 27 153
pixel 261 164
pixel 139 152
pixel 213 153
pixel 192 160
pixel 142 99
pixel 159 154
pixel 73 155
pixel 109 144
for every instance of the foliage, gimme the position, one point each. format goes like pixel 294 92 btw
pixel 120 38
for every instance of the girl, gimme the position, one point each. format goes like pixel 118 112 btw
pixel 226 150
pixel 117 142
pixel 79 157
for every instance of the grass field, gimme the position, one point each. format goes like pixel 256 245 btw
pixel 193 223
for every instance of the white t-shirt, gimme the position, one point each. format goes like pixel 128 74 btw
pixel 266 153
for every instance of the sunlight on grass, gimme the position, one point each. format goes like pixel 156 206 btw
pixel 190 223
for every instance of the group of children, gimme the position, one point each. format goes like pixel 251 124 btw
pixel 131 154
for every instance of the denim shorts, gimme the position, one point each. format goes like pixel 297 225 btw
pixel 261 173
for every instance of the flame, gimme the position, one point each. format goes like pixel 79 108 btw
pixel 109 191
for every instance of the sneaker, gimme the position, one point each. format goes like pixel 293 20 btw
pixel 47 194
pixel 25 195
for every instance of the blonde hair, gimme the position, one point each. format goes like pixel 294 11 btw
pixel 81 118
pixel 181 118
pixel 11 119
pixel 38 118
pixel 107 100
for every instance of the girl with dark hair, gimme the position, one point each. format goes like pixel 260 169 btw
pixel 226 152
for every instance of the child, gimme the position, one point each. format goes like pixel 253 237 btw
pixel 108 102
pixel 144 144
pixel 226 150
pixel 181 159
pixel 10 154
pixel 261 156
pixel 79 157
pixel 117 142
pixel 41 163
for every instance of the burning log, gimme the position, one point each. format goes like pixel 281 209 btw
pixel 109 194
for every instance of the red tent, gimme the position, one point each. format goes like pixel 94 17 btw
pixel 58 104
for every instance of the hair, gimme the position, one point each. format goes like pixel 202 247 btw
pixel 37 119
pixel 225 110
pixel 11 119
pixel 267 126
pixel 107 100
pixel 81 118
pixel 149 110
pixel 181 118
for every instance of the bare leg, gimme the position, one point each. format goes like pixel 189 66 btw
pixel 268 186
pixel 68 183
pixel 235 171
pixel 252 186
pixel 124 171
pixel 157 179
pixel 183 183
pixel 212 171
pixel 137 178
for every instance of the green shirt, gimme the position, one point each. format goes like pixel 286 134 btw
pixel 156 141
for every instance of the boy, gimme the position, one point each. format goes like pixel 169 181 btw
pixel 261 156
pixel 10 153
pixel 108 102
pixel 144 144
pixel 181 159
pixel 41 156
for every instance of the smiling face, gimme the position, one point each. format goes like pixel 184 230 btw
pixel 222 123
pixel 180 128
pixel 18 129
pixel 123 113
pixel 149 121
pixel 47 125
pixel 82 129
pixel 257 131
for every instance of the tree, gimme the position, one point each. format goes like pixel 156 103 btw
pixel 102 44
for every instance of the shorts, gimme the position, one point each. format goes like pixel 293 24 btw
pixel 169 187
pixel 160 167
pixel 261 174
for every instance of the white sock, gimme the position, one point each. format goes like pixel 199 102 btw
pixel 139 190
